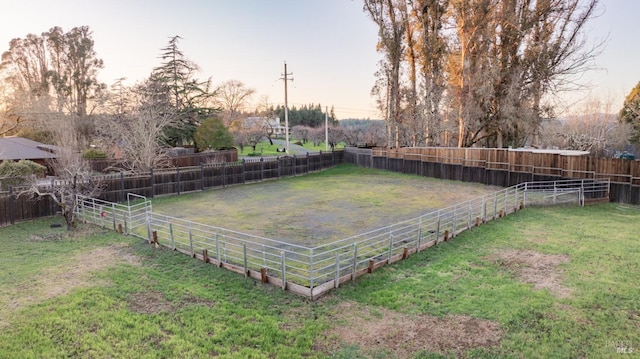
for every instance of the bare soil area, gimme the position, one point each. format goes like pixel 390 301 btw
pixel 381 331
pixel 536 268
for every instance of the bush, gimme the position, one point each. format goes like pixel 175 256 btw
pixel 213 135
pixel 94 154
pixel 16 173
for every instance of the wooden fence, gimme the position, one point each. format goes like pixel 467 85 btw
pixel 176 161
pixel 115 187
pixel 505 167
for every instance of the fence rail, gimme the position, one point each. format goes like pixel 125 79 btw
pixel 313 271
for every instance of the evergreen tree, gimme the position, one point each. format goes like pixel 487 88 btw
pixel 175 85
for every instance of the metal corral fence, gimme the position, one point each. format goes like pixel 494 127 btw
pixel 313 271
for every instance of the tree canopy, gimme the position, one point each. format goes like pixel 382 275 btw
pixel 311 115
pixel 630 113
pixel 55 71
pixel 173 85
pixel 481 79
pixel 213 134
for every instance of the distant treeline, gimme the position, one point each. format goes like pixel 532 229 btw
pixel 308 115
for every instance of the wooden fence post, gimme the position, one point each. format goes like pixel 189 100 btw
pixel 261 169
pixel 122 195
pixel 278 162
pixel 294 161
pixel 244 170
pixel 178 178
pixel 201 176
pixel 151 179
pixel 263 275
pixel 224 175
pixel 12 198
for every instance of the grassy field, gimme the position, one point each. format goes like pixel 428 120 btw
pixel 542 283
pixel 320 207
pixel 265 148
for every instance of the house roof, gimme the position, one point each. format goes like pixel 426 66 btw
pixel 18 148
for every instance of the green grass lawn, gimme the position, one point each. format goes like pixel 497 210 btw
pixel 265 148
pixel 542 283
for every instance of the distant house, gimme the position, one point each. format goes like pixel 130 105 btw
pixel 18 148
pixel 272 125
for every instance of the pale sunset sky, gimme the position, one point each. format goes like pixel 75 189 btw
pixel 329 45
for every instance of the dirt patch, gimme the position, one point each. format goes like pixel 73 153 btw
pixel 149 303
pixel 61 280
pixel 536 268
pixel 401 335
pixel 153 302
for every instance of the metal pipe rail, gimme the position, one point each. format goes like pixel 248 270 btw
pixel 312 271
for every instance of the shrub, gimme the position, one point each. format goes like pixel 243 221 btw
pixel 212 134
pixel 15 173
pixel 94 154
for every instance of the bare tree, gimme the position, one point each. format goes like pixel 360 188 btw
pixel 594 128
pixel 390 34
pixel 73 173
pixel 336 135
pixel 265 109
pixel 254 137
pixel 137 127
pixel 492 62
pixel 301 133
pixel 232 97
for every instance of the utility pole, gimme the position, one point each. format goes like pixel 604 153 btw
pixel 286 107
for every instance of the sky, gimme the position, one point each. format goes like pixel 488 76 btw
pixel 329 45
